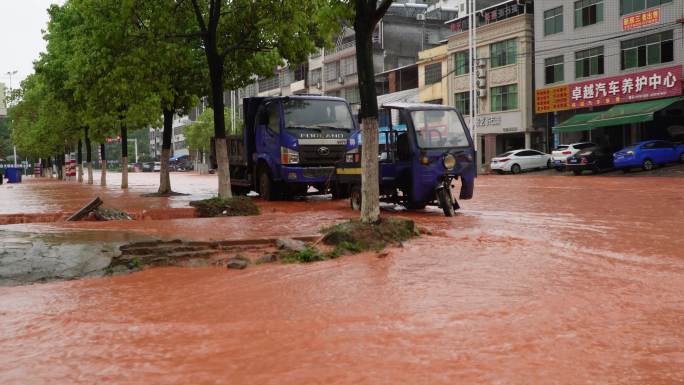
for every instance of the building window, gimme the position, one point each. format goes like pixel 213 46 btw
pixel 629 6
pixel 588 12
pixel 504 53
pixel 332 71
pixel 315 77
pixel 553 21
pixel 352 95
pixel 433 73
pixel 589 62
pixel 462 102
pixel 647 50
pixel 553 70
pixel 269 84
pixel 461 63
pixel 348 66
pixel 505 98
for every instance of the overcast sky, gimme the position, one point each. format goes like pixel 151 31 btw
pixel 21 39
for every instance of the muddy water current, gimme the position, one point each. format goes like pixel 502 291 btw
pixel 539 280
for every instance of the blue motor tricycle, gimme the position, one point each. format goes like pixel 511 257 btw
pixel 423 149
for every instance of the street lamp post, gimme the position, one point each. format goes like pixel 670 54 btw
pixel 10 74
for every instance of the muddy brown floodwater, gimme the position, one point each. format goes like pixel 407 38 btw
pixel 540 280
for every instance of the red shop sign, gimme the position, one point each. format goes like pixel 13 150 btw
pixel 653 84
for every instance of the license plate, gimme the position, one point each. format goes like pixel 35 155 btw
pixel 573 160
pixel 557 162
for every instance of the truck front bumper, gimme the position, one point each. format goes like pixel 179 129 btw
pixel 291 174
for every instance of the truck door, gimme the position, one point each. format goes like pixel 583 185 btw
pixel 268 132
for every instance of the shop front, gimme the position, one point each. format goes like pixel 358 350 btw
pixel 617 111
pixel 500 132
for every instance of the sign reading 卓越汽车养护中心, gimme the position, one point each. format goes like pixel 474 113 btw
pixel 653 84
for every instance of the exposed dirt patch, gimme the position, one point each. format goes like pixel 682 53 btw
pixel 222 207
pixel 355 237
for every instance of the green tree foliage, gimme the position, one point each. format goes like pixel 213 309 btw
pixel 5 141
pixel 198 134
pixel 245 38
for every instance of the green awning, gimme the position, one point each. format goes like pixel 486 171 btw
pixel 632 112
pixel 579 122
pixel 616 116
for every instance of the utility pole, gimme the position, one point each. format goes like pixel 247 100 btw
pixel 10 74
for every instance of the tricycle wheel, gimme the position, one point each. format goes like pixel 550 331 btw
pixel 355 198
pixel 446 201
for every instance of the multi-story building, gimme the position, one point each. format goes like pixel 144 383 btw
pixel 505 76
pixel 433 79
pixel 610 71
pixel 406 29
pixel 3 105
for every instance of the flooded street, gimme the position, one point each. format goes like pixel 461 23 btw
pixel 539 280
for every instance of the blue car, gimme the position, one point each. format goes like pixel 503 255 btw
pixel 648 154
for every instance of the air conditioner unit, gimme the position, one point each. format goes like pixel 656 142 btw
pixel 420 17
pixel 340 79
pixel 482 63
pixel 481 83
pixel 482 93
pixel 481 73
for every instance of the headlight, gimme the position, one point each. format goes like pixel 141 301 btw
pixel 353 156
pixel 288 156
pixel 449 162
pixel 630 153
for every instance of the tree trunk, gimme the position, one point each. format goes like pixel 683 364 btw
pixel 370 181
pixel 60 167
pixel 89 156
pixel 370 188
pixel 124 156
pixel 216 76
pixel 79 160
pixel 164 177
pixel 103 165
pixel 49 167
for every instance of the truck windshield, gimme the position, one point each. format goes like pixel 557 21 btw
pixel 311 113
pixel 439 129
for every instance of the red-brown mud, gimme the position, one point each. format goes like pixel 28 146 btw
pixel 539 280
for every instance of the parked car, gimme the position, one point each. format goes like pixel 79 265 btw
pixel 560 155
pixel 517 161
pixel 148 167
pixel 595 158
pixel 157 167
pixel 648 154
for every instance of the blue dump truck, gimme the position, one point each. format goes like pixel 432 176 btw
pixel 289 144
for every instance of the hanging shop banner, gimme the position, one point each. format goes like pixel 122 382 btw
pixel 641 19
pixel 654 84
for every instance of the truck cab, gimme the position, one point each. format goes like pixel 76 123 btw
pixel 291 143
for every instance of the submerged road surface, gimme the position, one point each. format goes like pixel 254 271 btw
pixel 540 280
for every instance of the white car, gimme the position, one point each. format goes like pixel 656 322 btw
pixel 560 155
pixel 157 166
pixel 517 161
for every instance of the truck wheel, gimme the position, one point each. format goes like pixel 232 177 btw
pixel 446 201
pixel 355 198
pixel 267 189
pixel 339 191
